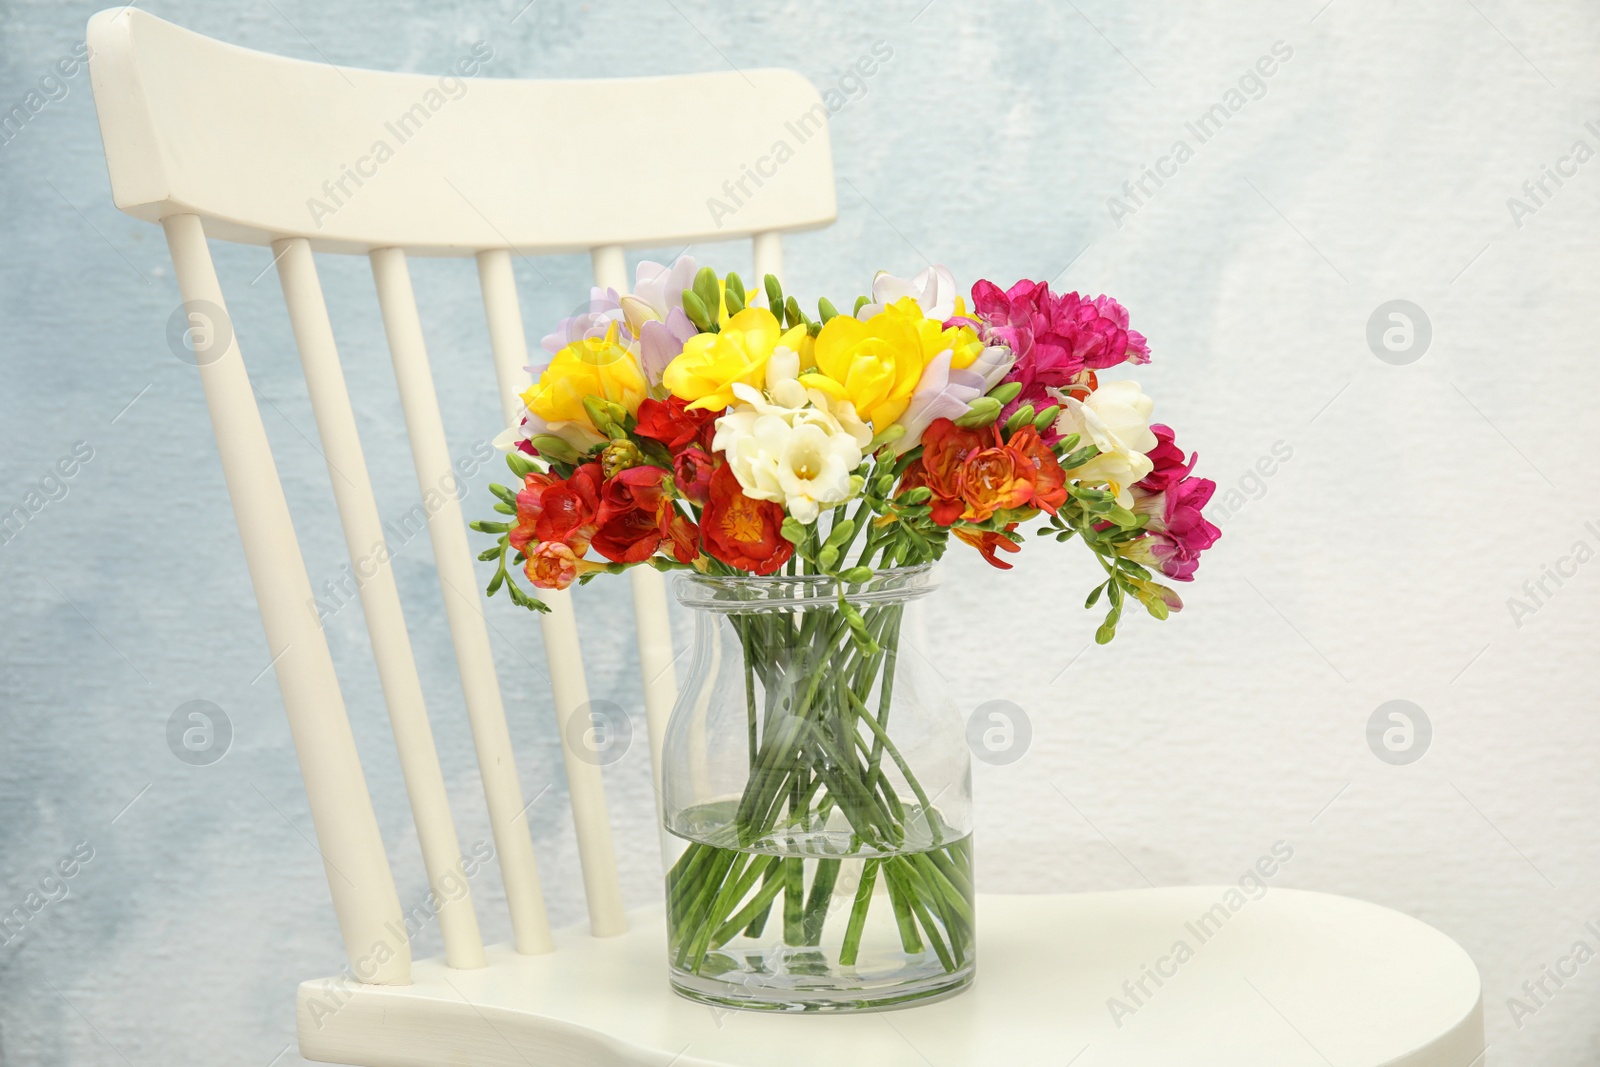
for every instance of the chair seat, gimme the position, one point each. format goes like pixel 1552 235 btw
pixel 1136 978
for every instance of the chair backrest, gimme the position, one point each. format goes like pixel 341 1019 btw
pixel 212 140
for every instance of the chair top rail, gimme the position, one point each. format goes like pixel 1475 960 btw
pixel 264 147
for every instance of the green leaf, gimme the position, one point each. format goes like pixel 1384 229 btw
pixel 774 295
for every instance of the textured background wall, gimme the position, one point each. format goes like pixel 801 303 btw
pixel 1374 564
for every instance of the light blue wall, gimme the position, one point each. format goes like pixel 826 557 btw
pixel 1375 564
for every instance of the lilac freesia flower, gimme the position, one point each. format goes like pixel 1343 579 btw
pixel 943 393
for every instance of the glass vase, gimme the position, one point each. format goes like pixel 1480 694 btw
pixel 817 798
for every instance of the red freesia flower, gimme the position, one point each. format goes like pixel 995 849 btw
pixel 987 541
pixel 740 531
pixel 636 515
pixel 670 422
pixel 552 509
pixel 691 473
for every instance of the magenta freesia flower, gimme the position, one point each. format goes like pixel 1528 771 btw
pixel 1184 532
pixel 1055 337
pixel 1170 466
pixel 1173 501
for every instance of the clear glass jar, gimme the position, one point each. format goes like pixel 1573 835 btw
pixel 818 801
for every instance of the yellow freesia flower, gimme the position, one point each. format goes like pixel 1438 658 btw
pixel 876 364
pixel 594 366
pixel 710 364
pixel 961 341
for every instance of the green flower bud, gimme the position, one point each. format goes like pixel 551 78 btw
pixel 618 456
pixel 774 295
pixel 1006 392
pixel 1018 417
pixel 696 310
pixel 981 412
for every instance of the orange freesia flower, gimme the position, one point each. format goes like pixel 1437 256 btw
pixel 1049 480
pixel 987 541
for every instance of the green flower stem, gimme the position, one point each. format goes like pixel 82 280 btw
pixel 794 890
pixel 897 872
pixel 822 884
pixel 761 907
pixel 753 916
pixel 910 940
pixel 858 914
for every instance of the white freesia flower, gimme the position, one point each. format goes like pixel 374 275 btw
pixel 934 290
pixel 792 445
pixel 1115 418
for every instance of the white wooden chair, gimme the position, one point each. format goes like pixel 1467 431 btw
pixel 215 141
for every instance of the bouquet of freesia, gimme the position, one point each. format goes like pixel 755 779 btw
pixel 693 424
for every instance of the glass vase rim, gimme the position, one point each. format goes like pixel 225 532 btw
pixel 784 592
